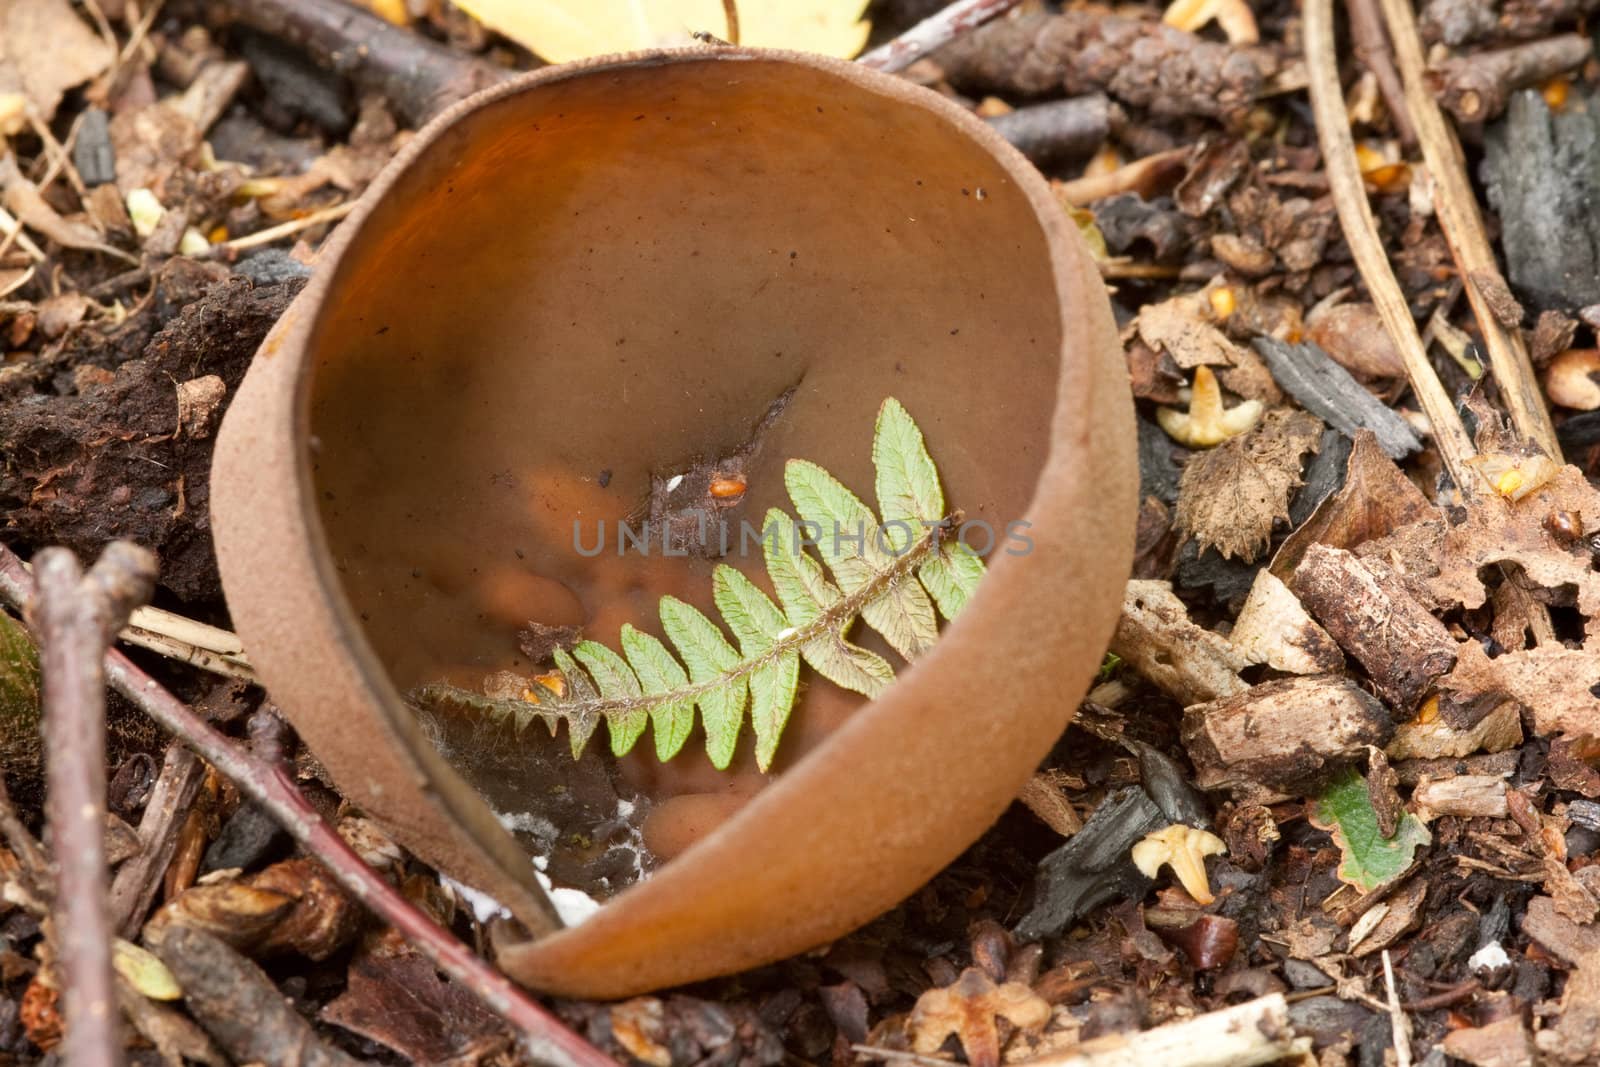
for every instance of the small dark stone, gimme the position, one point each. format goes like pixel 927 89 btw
pixel 271 266
pixel 92 152
pixel 247 841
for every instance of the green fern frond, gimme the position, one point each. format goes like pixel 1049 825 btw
pixel 898 579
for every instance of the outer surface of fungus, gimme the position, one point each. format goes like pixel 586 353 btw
pixel 1184 849
pixel 615 268
pixel 1207 422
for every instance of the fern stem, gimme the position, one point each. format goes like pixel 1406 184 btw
pixel 831 618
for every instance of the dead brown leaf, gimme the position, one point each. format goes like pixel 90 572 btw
pixel 1231 496
pixel 399 1001
pixel 45 49
pixel 1180 328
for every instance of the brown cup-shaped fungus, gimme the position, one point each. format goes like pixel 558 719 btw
pixel 620 266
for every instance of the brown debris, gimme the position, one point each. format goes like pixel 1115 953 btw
pixel 1402 646
pixel 1081 51
pixel 1431 736
pixel 1456 22
pixel 1503 1043
pixel 1282 733
pixel 1274 628
pixel 46 49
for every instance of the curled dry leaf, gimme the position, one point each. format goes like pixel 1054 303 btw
pixel 46 49
pixel 563 30
pixel 399 1000
pixel 1230 497
pixel 969 1009
pixel 293 906
pixel 1181 327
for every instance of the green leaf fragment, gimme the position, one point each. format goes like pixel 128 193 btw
pixel 709 658
pixel 580 724
pixel 1370 860
pixel 660 673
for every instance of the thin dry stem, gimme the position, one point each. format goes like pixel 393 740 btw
pixel 1456 205
pixel 1361 234
pixel 934 32
pixel 271 788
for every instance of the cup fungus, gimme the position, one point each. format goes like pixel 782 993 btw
pixel 599 285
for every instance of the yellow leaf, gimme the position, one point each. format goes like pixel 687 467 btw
pixel 562 30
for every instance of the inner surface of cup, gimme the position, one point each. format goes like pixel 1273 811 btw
pixel 615 276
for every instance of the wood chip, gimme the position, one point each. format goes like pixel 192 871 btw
pixel 1330 392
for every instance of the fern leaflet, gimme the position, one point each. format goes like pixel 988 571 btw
pixel 898 576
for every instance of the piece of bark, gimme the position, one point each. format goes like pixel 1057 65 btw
pixel 1059 130
pixel 1503 1043
pixel 1332 393
pixel 238 1004
pixel 1141 62
pixel 1188 662
pixel 1498 764
pixel 1274 628
pixel 1402 646
pixel 1283 734
pixel 1476 87
pixel 1466 795
pixel 1542 171
pixel 1049 804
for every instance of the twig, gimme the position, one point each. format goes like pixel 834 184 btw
pixel 208 647
pixel 934 32
pixel 1456 205
pixel 1477 87
pixel 1147 177
pixel 77 616
pixel 272 789
pixel 1361 234
pixel 418 76
pixel 134 887
pixel 1371 46
pixel 1397 1018
pixel 730 13
pixel 286 229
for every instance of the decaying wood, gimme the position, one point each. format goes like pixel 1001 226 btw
pixel 1542 173
pixel 1283 733
pixel 1188 662
pixel 1401 644
pixel 1274 628
pixel 1081 50
pixel 1346 186
pixel 1332 393
pixel 1466 795
pixel 1476 87
pixel 1045 799
pixel 1456 205
pixel 76 617
pixel 1456 22
pixel 1255 1032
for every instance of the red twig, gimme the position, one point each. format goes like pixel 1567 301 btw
pixel 545 1035
pixel 934 32
pixel 76 618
